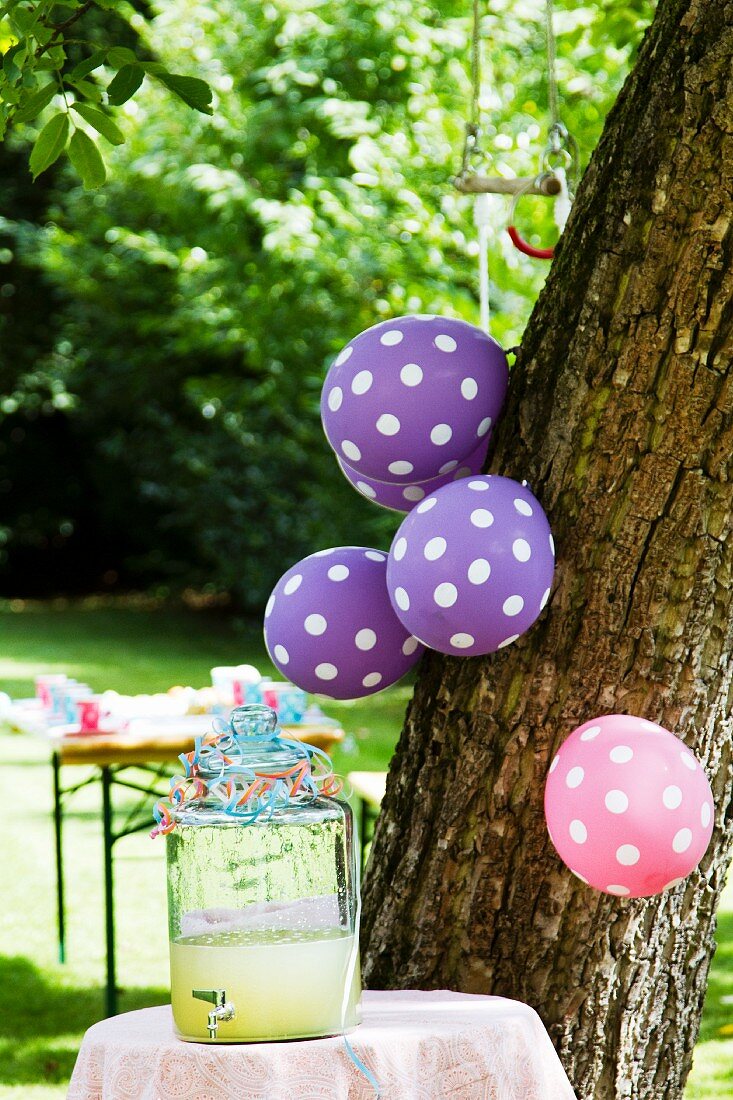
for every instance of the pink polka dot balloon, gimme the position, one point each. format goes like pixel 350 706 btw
pixel 629 808
pixel 410 395
pixel 402 498
pixel 471 566
pixel 330 627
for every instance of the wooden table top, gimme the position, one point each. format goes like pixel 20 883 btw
pixel 151 747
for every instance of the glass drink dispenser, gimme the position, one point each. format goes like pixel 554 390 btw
pixel 262 889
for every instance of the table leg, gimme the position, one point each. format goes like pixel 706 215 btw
pixel 110 999
pixel 57 822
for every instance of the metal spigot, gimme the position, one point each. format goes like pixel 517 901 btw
pixel 223 1009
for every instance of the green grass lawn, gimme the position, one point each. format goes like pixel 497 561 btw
pixel 45 1007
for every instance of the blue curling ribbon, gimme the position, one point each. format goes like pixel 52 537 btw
pixel 362 1067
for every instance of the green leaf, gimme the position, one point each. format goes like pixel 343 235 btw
pixel 87 160
pixel 87 89
pixel 196 93
pixel 50 143
pixel 36 103
pixel 124 85
pixel 119 56
pixel 85 67
pixel 102 123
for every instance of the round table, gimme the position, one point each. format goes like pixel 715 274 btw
pixel 418 1045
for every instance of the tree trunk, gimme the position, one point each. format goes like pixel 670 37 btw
pixel 621 418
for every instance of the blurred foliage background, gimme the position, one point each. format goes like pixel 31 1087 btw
pixel 163 340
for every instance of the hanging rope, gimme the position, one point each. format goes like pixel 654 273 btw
pixel 551 63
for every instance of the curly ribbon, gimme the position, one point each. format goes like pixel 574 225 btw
pixel 216 769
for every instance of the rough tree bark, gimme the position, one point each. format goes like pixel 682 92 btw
pixel 621 419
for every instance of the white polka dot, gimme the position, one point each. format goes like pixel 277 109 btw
pixel 338 572
pixel 445 343
pixel 469 388
pixel 323 553
pixel 578 831
pixel 402 599
pixel 326 671
pixel 521 549
pixel 508 641
pixel 617 802
pixel 552 546
pixel 482 517
pixel 371 679
pixel 578 875
pixel 523 507
pixel 705 814
pixel 478 486
pixel 545 598
pixel 269 606
pixel 293 584
pixel 362 382
pixel 448 466
pixel 627 855
pixel 574 777
pixel 463 472
pixel 446 594
pixel 674 882
pixel 682 840
pixel 411 375
pixel 435 548
pixel 413 492
pixel 351 450
pixel 388 424
pixel 479 571
pixel 672 797
pixel 427 505
pixel 315 624
pixel 462 641
pixel 335 399
pixel 621 754
pixel 400 467
pixel 366 490
pixel 513 605
pixel 400 548
pixel 441 434
pixel 590 734
pixel 620 891
pixel 281 654
pixel 391 337
pixel 375 555
pixel 484 426
pixel 410 646
pixel 688 760
pixel 365 639
pixel 555 762
pixel 344 355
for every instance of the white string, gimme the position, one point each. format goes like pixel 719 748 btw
pixel 483 208
pixel 563 202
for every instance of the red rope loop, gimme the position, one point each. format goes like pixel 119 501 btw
pixel 529 250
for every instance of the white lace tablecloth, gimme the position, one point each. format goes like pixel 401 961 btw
pixel 418 1045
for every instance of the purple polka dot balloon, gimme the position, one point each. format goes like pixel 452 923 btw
pixel 330 627
pixel 402 498
pixel 409 395
pixel 471 566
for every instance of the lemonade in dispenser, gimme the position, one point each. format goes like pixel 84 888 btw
pixel 262 889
